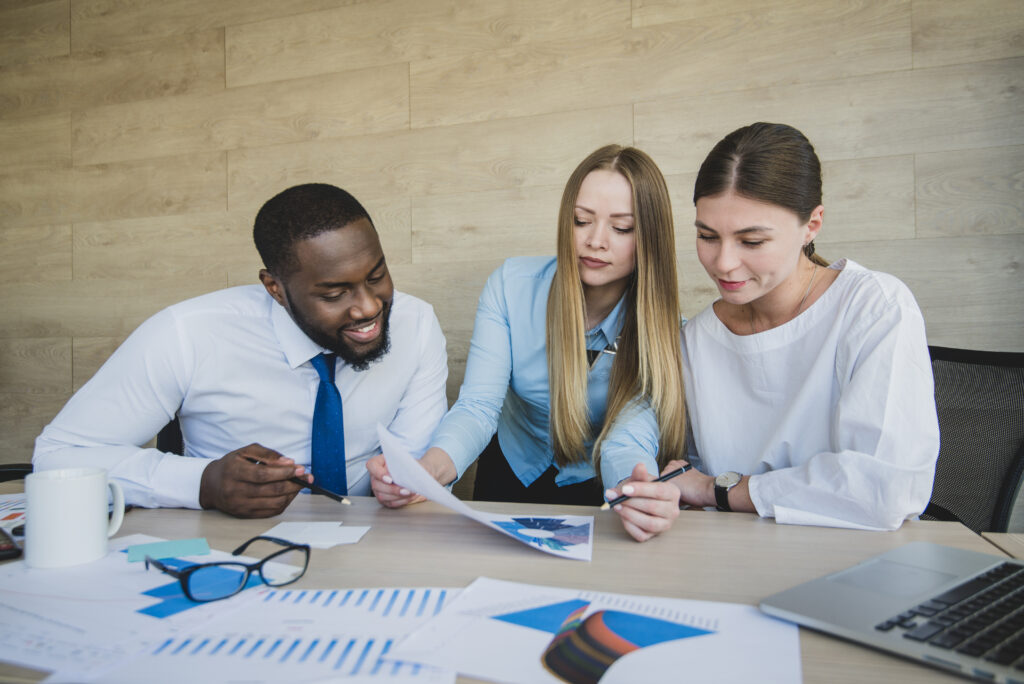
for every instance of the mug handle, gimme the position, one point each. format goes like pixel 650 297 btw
pixel 117 512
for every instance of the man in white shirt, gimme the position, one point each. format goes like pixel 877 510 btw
pixel 236 367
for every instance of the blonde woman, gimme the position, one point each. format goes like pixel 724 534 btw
pixel 573 383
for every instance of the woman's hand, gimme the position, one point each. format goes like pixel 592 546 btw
pixel 436 462
pixel 694 487
pixel 652 508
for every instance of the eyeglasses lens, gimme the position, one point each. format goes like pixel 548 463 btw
pixel 213 582
pixel 285 567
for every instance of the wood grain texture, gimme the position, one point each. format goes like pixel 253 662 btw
pixel 475 226
pixel 35 365
pixel 36 141
pixel 159 68
pixel 34 31
pixel 963 285
pixel 347 104
pixel 971 192
pixel 904 112
pixel 98 24
pixel 149 187
pixel 958 32
pixel 178 246
pixel 35 253
pixel 540 150
pixel 93 308
pixel 394 31
pixel 813 42
pixel 22 418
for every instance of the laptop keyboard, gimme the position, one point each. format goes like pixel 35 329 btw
pixel 983 617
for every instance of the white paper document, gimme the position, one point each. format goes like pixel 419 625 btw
pixel 567 536
pixel 527 634
pixel 299 635
pixel 319 535
pixel 81 620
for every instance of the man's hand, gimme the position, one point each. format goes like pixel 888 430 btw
pixel 436 462
pixel 652 508
pixel 239 487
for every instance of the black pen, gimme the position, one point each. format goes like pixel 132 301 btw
pixel 667 476
pixel 316 489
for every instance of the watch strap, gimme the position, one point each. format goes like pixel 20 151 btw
pixel 722 497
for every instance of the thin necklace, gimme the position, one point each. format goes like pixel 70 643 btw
pixel 799 306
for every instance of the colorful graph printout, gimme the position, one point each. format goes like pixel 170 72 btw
pixel 520 633
pixel 567 536
pixel 80 621
pixel 300 635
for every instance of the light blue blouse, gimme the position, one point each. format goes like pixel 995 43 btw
pixel 506 386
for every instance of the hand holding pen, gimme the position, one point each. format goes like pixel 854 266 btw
pixel 664 478
pixel 315 488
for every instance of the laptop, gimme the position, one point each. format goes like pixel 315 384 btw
pixel 958 610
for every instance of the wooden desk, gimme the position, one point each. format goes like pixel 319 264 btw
pixel 712 556
pixel 1009 543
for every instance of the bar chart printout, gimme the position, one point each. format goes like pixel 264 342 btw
pixel 301 635
pixel 529 634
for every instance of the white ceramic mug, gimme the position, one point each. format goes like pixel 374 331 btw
pixel 66 520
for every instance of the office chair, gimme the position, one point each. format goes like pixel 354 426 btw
pixel 14 471
pixel 979 396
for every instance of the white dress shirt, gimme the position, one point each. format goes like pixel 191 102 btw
pixel 832 414
pixel 236 369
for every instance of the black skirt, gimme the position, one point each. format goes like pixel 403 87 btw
pixel 496 481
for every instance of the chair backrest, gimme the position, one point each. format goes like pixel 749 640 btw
pixel 979 396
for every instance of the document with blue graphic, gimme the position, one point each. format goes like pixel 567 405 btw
pixel 82 620
pixel 529 634
pixel 300 635
pixel 567 536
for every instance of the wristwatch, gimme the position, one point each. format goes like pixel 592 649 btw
pixel 723 483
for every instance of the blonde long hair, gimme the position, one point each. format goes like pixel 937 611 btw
pixel 648 363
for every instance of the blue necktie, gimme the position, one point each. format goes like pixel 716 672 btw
pixel 328 452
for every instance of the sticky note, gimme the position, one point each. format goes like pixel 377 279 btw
pixel 169 549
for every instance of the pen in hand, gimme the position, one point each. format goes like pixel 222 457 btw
pixel 667 476
pixel 316 489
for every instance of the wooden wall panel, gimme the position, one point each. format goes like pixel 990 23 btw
pixel 957 32
pixel 347 104
pixel 902 112
pixel 34 31
pixel 36 141
pixel 102 23
pixel 182 246
pixel 816 41
pixel 35 365
pixel 22 418
pixel 365 35
pixel 963 286
pixel 517 222
pixel 102 308
pixel 149 187
pixel 539 150
pixel 35 253
pixel 154 69
pixel 971 192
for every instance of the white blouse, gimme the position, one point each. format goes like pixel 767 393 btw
pixel 832 414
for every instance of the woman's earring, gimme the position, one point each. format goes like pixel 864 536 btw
pixel 809 249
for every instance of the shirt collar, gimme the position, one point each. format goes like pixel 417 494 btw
pixel 297 347
pixel 612 324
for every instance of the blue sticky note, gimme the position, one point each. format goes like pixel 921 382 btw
pixel 169 549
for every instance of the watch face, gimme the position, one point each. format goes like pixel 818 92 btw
pixel 728 479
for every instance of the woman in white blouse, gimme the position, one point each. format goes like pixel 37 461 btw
pixel 809 384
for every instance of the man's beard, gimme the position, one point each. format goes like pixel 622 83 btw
pixel 338 344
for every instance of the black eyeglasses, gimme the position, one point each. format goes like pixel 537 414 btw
pixel 219 580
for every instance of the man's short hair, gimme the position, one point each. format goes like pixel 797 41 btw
pixel 299 213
